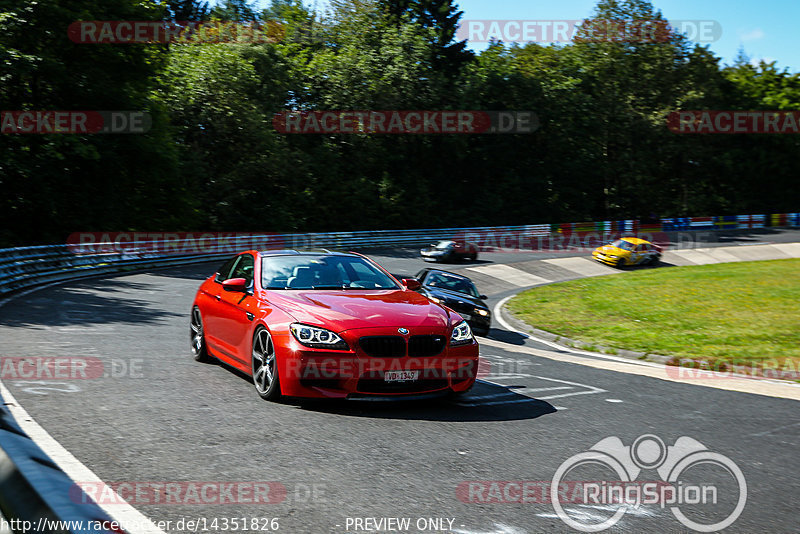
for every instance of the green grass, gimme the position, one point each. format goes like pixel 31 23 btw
pixel 734 312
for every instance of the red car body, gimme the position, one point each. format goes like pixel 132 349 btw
pixel 398 343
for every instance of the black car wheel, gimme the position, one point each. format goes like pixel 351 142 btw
pixel 199 350
pixel 265 366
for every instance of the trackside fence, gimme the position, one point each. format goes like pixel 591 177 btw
pixel 24 267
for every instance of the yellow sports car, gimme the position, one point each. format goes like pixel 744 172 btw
pixel 628 251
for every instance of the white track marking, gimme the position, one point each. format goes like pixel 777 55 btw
pixel 510 274
pixel 582 266
pixel 589 391
pixel 128 517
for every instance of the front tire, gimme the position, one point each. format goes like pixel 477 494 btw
pixel 620 264
pixel 264 366
pixel 199 350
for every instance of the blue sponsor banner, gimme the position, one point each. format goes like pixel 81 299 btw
pixel 675 224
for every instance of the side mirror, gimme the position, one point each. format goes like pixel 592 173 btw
pixel 235 284
pixel 483 297
pixel 411 283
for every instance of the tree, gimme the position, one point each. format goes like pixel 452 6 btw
pixel 187 10
pixel 54 184
pixel 235 11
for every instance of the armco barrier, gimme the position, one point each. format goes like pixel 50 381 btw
pixel 34 489
pixel 24 267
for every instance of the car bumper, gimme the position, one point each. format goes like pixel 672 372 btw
pixel 480 323
pixel 427 255
pixel 310 373
pixel 608 260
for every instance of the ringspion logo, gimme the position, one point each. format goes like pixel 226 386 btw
pixel 692 504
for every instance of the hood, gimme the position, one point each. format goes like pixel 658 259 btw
pixel 344 310
pixel 610 249
pixel 456 297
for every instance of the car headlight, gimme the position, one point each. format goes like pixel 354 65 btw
pixel 461 334
pixel 481 312
pixel 316 337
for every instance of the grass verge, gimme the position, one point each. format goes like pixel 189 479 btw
pixel 724 314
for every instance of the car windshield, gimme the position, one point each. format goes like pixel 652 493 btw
pixel 624 245
pixel 307 271
pixel 452 283
pixel 444 244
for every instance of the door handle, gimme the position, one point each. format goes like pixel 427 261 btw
pixel 250 316
pixel 218 297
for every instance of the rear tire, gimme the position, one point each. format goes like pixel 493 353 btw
pixel 199 350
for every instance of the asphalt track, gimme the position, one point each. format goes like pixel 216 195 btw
pixel 158 416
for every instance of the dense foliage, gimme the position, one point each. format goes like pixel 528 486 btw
pixel 214 161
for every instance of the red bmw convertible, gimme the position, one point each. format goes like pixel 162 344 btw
pixel 335 325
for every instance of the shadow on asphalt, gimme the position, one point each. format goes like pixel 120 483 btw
pixel 84 303
pixel 198 271
pixel 514 338
pixel 486 402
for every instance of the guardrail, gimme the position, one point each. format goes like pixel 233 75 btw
pixel 35 492
pixel 24 267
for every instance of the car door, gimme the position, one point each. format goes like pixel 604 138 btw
pixel 238 312
pixel 639 254
pixel 212 308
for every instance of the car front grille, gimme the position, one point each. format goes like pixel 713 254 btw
pixel 383 346
pixel 424 346
pixel 395 346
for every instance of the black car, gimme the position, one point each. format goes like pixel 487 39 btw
pixel 459 293
pixel 450 251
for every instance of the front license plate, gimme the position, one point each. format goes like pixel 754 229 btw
pixel 400 376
